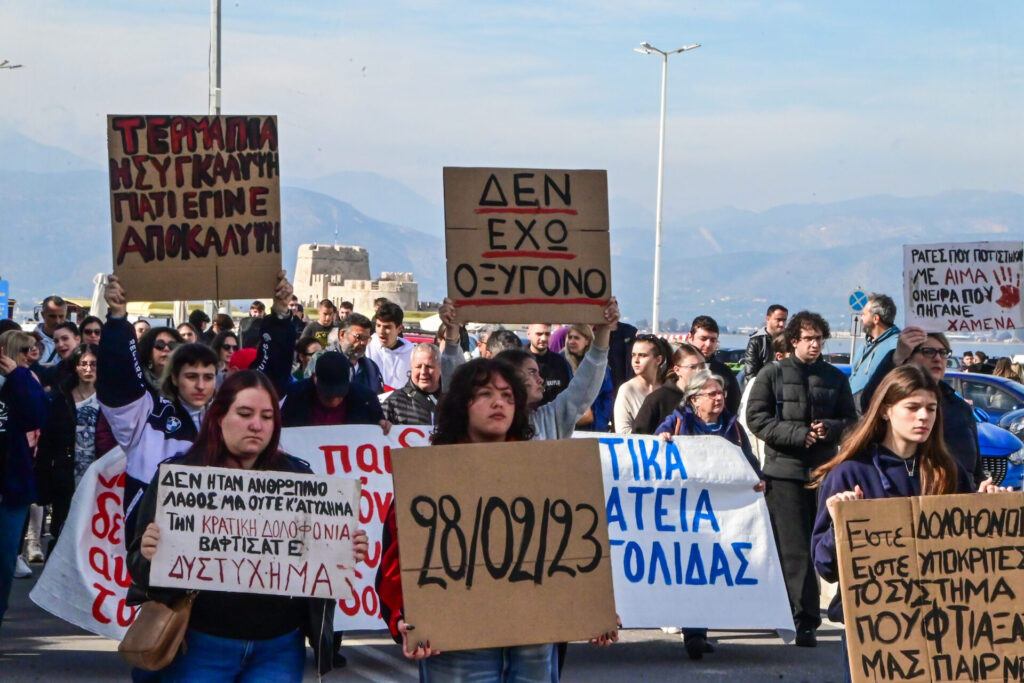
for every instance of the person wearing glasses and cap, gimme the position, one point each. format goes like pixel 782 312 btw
pixel 930 350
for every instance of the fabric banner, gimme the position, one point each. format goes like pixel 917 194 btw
pixel 85 580
pixel 690 539
pixel 691 542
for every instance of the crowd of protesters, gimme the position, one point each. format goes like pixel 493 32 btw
pixel 70 392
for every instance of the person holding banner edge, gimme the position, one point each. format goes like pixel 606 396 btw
pixel 238 636
pixel 486 402
pixel 702 411
pixel 896 450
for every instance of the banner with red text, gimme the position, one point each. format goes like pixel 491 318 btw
pixel 85 580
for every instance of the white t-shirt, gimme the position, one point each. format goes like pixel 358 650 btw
pixel 627 404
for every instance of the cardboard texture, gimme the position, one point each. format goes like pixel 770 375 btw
pixel 932 587
pixel 527 245
pixel 467 582
pixel 963 286
pixel 195 206
pixel 245 531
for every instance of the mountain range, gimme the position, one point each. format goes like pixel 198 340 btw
pixel 730 263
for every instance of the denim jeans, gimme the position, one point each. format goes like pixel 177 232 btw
pixel 12 523
pixel 521 664
pixel 211 658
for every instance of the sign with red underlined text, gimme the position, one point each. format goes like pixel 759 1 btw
pixel 527 245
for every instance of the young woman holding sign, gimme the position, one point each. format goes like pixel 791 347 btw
pixel 486 402
pixel 238 636
pixel 895 451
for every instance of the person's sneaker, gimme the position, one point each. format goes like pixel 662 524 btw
pixel 696 646
pixel 806 638
pixel 21 568
pixel 33 552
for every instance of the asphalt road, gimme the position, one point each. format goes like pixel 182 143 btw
pixel 36 646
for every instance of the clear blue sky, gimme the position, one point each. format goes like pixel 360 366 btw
pixel 785 102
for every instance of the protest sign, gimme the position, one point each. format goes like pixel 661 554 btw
pixel 85 580
pixel 516 529
pixel 963 286
pixel 195 205
pixel 691 540
pixel 527 245
pixel 245 531
pixel 931 587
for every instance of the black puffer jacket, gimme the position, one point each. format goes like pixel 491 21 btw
pixel 410 405
pixel 781 416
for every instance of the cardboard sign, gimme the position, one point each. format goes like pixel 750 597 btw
pixel 274 533
pixel 195 206
pixel 932 587
pixel 358 451
pixel 963 287
pixel 527 246
pixel 503 544
pixel 691 541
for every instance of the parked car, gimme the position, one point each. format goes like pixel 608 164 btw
pixel 993 395
pixel 1002 449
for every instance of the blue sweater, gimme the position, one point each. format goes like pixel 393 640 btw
pixel 683 421
pixel 881 474
pixel 23 408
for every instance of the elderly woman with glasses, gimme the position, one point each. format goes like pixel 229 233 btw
pixel 929 350
pixel 702 411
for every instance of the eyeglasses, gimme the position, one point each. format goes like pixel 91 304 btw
pixel 24 349
pixel 930 352
pixel 87 364
pixel 161 345
pixel 92 331
pixel 712 394
pixel 816 339
pixel 230 347
pixel 359 337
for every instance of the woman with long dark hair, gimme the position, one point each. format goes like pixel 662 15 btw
pixel 895 451
pixel 486 402
pixel 67 444
pixel 237 636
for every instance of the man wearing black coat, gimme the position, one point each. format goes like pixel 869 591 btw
pixel 759 351
pixel 799 406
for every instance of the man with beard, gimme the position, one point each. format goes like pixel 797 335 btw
pixel 351 341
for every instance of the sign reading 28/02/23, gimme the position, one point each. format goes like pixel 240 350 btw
pixel 526 245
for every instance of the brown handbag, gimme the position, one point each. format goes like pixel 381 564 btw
pixel 157 634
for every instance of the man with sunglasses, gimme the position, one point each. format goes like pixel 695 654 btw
pixel 930 350
pixel 799 406
pixel 352 340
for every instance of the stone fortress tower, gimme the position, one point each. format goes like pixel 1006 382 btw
pixel 342 273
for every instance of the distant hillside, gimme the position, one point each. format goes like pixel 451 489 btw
pixel 730 263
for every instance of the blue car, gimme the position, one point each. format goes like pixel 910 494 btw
pixel 1002 450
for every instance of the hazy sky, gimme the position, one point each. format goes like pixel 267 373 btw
pixel 785 102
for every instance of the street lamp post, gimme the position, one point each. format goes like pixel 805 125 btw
pixel 647 48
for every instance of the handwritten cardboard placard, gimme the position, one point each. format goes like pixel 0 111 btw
pixel 275 533
pixel 691 540
pixel 963 286
pixel 932 587
pixel 527 245
pixel 195 205
pixel 503 544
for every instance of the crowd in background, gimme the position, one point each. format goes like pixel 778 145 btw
pixel 73 391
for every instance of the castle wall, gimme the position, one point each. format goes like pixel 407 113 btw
pixel 342 273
